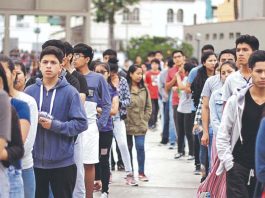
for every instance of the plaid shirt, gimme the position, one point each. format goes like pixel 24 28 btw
pixel 198 115
pixel 124 97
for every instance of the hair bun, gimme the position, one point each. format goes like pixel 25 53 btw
pixel 113 60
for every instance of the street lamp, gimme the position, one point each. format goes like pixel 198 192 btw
pixel 37 32
pixel 198 40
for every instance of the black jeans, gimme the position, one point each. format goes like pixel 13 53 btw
pixel 237 182
pixel 175 115
pixel 155 109
pixel 62 181
pixel 119 162
pixel 165 133
pixel 102 168
pixel 185 128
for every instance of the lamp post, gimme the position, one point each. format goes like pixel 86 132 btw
pixel 37 32
pixel 198 40
pixel 127 34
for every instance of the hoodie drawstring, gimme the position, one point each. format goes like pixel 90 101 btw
pixel 52 99
pixel 251 174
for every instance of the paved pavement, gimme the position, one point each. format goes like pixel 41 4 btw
pixel 168 177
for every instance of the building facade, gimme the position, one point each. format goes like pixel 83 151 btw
pixel 225 11
pixel 223 35
pixel 165 18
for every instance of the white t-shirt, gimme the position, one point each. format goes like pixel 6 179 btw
pixel 185 101
pixel 27 160
pixel 234 82
pixel 91 111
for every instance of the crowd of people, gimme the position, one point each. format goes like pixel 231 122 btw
pixel 59 121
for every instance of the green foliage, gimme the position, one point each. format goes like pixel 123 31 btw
pixel 141 46
pixel 106 9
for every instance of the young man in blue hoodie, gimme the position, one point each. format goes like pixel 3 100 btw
pixel 61 118
pixel 98 94
pixel 238 130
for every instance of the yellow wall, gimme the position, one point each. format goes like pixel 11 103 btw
pixel 225 11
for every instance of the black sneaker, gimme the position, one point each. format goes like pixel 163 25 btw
pixel 121 167
pixel 202 179
pixel 163 142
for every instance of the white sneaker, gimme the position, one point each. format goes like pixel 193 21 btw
pixel 191 157
pixel 104 195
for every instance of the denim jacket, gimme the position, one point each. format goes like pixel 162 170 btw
pixel 216 109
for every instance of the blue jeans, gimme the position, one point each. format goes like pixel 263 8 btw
pixel 139 145
pixel 15 182
pixel 205 151
pixel 28 176
pixel 4 186
pixel 172 127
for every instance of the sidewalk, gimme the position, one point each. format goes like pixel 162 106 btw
pixel 168 177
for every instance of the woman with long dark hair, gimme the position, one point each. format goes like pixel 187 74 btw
pixel 119 130
pixel 106 132
pixel 12 154
pixel 139 112
pixel 208 60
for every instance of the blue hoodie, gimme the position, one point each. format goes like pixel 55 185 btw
pixel 54 148
pixel 98 96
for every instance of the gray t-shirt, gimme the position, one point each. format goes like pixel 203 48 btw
pixel 234 82
pixel 212 83
pixel 5 116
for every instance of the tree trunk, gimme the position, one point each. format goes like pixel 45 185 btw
pixel 111 41
pixel 236 9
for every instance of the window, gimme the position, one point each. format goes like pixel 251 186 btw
pixel 214 36
pixel 170 16
pixel 126 15
pixel 135 15
pixel 221 36
pixel 231 35
pixel 207 37
pixel 20 17
pixel 238 34
pixel 180 16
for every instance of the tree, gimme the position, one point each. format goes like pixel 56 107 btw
pixel 105 12
pixel 141 46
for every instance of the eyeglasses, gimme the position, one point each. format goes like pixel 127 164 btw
pixel 78 55
pixel 102 72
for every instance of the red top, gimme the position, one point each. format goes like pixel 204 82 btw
pixel 151 79
pixel 170 75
